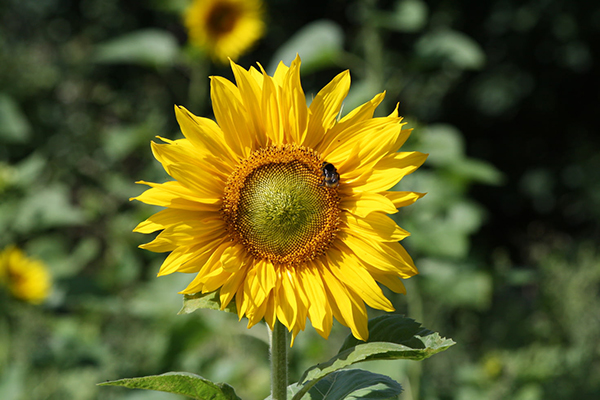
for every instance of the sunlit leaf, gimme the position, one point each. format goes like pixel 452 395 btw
pixel 183 383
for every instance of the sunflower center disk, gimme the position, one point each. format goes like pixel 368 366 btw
pixel 276 206
pixel 222 19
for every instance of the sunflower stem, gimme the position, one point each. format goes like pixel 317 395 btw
pixel 279 367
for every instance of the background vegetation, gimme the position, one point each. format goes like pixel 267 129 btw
pixel 502 94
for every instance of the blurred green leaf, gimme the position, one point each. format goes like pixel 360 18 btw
pixel 478 171
pixel 152 47
pixel 183 383
pixel 408 16
pixel 443 142
pixel 192 302
pixel 393 328
pixel 353 384
pixel 12 382
pixel 14 126
pixel 319 44
pixel 456 284
pixel 47 207
pixel 455 47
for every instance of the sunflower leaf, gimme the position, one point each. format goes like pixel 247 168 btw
pixel 418 345
pixel 192 302
pixel 151 47
pixel 391 328
pixel 351 384
pixel 183 383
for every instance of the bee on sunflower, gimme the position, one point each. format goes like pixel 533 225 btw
pixel 283 208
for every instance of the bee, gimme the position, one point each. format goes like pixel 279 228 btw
pixel 331 178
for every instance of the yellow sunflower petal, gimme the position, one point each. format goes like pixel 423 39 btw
pixel 347 307
pixel 231 115
pixel 294 100
pixel 376 226
pixel 403 199
pixel 350 271
pixel 251 93
pixel 390 170
pixel 326 106
pixel 173 195
pixel 364 203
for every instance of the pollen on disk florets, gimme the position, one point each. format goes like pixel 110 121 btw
pixel 276 205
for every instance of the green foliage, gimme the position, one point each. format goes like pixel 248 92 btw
pixel 183 383
pixel 353 384
pixel 150 47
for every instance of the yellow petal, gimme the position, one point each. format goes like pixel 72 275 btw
pixel 251 94
pixel 361 113
pixel 347 308
pixel 231 115
pixel 325 107
pixel 356 278
pixel 376 255
pixel 171 216
pixel 377 226
pixel 390 170
pixel 319 311
pixel 402 199
pixel 294 101
pixel 204 134
pixel 173 195
pixel 362 204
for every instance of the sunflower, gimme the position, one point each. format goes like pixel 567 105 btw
pixel 283 207
pixel 226 28
pixel 27 279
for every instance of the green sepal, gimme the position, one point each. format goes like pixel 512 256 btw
pixel 183 383
pixel 192 302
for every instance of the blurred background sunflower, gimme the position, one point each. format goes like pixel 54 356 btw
pixel 501 94
pixel 225 28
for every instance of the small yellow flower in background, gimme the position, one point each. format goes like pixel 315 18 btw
pixel 225 28
pixel 26 279
pixel 281 206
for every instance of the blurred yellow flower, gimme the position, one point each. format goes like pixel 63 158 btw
pixel 225 28
pixel 26 279
pixel 281 206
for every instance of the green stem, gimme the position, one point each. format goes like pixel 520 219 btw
pixel 279 362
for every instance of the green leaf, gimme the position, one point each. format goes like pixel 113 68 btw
pixel 453 46
pixel 319 44
pixel 192 302
pixel 354 384
pixel 407 16
pixel 184 383
pixel 413 343
pixel 147 47
pixel 15 126
pixel 393 328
